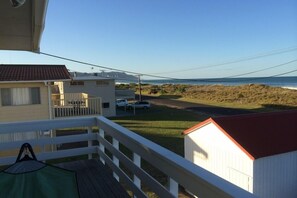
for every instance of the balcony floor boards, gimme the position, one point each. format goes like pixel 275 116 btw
pixel 94 179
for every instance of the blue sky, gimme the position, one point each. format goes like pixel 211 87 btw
pixel 163 36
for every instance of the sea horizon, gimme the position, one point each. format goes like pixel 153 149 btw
pixel 284 81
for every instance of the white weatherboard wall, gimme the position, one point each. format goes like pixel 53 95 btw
pixel 105 91
pixel 210 149
pixel 276 176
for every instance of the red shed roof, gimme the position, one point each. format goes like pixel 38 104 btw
pixel 33 73
pixel 259 134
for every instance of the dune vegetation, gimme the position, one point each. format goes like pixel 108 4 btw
pixel 245 96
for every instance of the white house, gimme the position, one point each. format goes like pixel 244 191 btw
pixel 95 86
pixel 257 152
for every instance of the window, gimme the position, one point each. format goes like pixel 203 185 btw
pixel 77 83
pixel 102 83
pixel 105 104
pixel 20 96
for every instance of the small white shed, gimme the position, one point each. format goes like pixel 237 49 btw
pixel 257 152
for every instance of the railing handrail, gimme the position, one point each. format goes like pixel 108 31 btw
pixel 172 164
pixel 54 155
pixel 63 99
pixel 81 95
pixel 45 125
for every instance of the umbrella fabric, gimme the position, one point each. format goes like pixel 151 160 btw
pixel 48 181
pixel 31 178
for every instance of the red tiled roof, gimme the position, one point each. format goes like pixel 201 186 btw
pixel 33 72
pixel 259 134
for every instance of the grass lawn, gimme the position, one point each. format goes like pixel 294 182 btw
pixel 162 125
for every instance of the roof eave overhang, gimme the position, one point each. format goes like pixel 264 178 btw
pixel 38 16
pixel 197 126
pixel 21 28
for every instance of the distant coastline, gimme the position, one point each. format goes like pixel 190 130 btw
pixel 289 82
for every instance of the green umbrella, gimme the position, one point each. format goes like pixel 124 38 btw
pixel 28 177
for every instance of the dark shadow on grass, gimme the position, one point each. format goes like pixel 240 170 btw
pixel 220 111
pixel 171 96
pixel 162 113
pixel 277 107
pixel 143 125
pixel 174 144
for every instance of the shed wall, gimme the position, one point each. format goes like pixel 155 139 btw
pixel 209 148
pixel 276 176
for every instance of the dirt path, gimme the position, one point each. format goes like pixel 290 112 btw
pixel 213 110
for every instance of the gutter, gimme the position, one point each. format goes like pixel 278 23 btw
pixel 35 81
pixel 39 9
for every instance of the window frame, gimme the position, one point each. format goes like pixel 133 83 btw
pixel 105 105
pixel 102 83
pixel 34 96
pixel 77 83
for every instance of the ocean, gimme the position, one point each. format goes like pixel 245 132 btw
pixel 286 82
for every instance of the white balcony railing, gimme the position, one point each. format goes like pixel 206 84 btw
pixel 179 171
pixel 75 104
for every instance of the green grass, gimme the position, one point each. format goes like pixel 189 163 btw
pixel 162 125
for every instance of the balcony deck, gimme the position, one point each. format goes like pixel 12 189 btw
pixel 104 139
pixel 70 111
pixel 75 104
pixel 94 179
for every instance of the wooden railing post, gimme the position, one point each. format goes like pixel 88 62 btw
pixel 102 148
pixel 137 162
pixel 90 143
pixel 173 187
pixel 115 160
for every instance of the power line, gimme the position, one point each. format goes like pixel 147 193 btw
pixel 226 80
pixel 85 63
pixel 281 74
pixel 271 53
pixel 170 78
pixel 246 79
pixel 104 67
pixel 274 52
pixel 266 77
pixel 256 71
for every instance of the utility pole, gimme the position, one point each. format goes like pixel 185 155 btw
pixel 139 84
